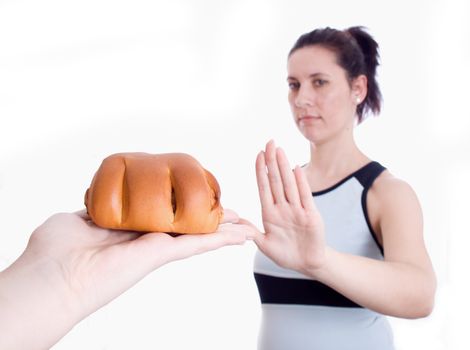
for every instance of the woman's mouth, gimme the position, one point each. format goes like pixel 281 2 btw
pixel 309 118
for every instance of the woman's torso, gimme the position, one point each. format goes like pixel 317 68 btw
pixel 299 313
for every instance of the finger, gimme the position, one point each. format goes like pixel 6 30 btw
pixel 305 191
pixel 254 233
pixel 244 221
pixel 156 249
pixel 235 233
pixel 253 229
pixel 188 245
pixel 288 178
pixel 274 176
pixel 229 216
pixel 264 189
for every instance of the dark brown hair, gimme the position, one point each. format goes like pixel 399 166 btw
pixel 357 53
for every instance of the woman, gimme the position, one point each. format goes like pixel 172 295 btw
pixel 328 269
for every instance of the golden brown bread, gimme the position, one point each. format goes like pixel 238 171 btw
pixel 168 192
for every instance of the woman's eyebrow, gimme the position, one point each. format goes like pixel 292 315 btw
pixel 313 75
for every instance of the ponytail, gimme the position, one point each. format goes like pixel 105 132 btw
pixel 370 51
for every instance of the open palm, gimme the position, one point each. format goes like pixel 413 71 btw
pixel 294 234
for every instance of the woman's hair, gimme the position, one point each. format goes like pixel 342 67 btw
pixel 357 53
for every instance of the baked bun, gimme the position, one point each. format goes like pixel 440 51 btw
pixel 154 193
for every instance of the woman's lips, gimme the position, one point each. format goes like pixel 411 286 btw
pixel 309 118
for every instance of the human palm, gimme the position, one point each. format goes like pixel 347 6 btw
pixel 294 232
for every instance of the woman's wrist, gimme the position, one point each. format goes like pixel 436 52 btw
pixel 317 267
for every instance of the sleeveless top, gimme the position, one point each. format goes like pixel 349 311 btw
pixel 299 313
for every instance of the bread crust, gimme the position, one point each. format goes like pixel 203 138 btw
pixel 144 192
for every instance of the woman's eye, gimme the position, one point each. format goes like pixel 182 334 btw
pixel 319 82
pixel 293 86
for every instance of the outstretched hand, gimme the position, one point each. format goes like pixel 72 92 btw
pixel 99 264
pixel 294 232
pixel 70 268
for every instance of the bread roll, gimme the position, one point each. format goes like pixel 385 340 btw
pixel 154 193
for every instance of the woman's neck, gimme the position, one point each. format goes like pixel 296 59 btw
pixel 332 161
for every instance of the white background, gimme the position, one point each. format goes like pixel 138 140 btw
pixel 80 80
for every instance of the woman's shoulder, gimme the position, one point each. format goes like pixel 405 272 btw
pixel 393 206
pixel 389 190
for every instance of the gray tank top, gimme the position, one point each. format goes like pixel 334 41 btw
pixel 299 313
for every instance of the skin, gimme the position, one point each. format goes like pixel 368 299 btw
pixel 75 268
pixel 323 103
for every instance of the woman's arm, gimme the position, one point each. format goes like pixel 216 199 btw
pixel 402 285
pixel 70 268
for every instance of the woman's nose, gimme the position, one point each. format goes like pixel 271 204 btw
pixel 305 97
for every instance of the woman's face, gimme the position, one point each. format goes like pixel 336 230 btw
pixel 322 100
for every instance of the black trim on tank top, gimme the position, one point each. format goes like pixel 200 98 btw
pixel 366 176
pixel 280 290
pixel 331 188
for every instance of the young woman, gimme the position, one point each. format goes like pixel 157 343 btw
pixel 343 242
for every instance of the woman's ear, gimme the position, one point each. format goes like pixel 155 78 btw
pixel 359 89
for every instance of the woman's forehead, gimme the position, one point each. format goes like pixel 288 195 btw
pixel 312 60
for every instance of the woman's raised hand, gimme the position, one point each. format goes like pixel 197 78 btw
pixel 294 230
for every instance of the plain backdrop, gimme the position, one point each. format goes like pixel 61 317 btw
pixel 80 80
